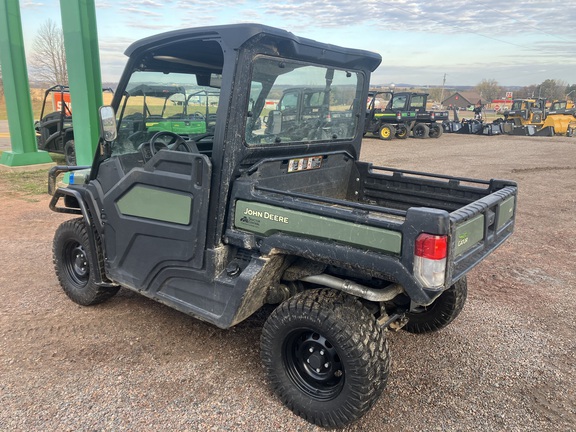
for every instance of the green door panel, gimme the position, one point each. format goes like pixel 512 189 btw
pixel 158 204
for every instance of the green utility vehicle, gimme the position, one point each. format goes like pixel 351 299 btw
pixel 405 113
pixel 307 111
pixel 392 121
pixel 148 108
pixel 225 224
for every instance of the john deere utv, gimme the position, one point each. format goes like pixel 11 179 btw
pixel 223 224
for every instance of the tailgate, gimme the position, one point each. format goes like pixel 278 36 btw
pixel 479 228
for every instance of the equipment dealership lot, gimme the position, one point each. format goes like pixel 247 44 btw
pixel 506 363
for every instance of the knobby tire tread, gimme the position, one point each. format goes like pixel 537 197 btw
pixel 356 334
pixel 90 294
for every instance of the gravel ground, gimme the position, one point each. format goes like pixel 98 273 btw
pixel 506 363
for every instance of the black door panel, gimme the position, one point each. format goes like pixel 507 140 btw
pixel 155 217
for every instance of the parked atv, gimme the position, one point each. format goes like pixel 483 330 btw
pixel 54 131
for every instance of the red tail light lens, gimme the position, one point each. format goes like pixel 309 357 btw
pixel 432 247
pixel 398 116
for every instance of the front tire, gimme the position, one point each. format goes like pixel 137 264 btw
pixel 386 132
pixel 70 153
pixel 325 356
pixel 442 312
pixel 73 264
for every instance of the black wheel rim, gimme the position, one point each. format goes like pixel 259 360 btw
pixel 313 365
pixel 76 263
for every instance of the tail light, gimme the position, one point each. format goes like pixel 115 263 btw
pixel 398 116
pixel 430 254
pixel 432 115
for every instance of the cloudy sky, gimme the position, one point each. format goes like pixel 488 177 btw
pixel 520 42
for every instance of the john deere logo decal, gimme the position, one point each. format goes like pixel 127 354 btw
pixel 462 239
pixel 264 215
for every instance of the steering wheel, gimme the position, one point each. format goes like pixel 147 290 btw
pixel 175 142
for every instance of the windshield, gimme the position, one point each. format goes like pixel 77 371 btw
pixel 157 101
pixel 519 105
pixel 296 102
pixel 399 102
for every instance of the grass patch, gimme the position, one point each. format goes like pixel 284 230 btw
pixel 27 182
pixel 30 182
pixel 59 159
pixel 36 108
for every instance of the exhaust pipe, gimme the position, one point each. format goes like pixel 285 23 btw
pixel 356 289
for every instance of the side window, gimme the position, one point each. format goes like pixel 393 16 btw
pixel 164 102
pixel 289 102
pixel 399 102
pixel 417 102
pixel 315 99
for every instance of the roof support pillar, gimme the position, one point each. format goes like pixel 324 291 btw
pixel 83 62
pixel 17 91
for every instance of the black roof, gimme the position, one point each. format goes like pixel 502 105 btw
pixel 233 36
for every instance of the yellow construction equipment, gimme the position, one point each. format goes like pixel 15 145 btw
pixel 530 117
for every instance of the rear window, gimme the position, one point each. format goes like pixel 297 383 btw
pixel 296 102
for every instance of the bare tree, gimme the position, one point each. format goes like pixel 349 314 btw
pixel 571 92
pixel 48 58
pixel 489 89
pixel 435 94
pixel 526 92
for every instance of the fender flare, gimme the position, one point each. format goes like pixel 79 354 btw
pixel 99 276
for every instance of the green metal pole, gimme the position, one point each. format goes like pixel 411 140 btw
pixel 83 62
pixel 17 91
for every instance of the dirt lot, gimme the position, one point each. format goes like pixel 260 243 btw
pixel 507 363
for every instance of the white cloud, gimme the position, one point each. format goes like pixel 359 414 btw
pixel 140 11
pixel 29 4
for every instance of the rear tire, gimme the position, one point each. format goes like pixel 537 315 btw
pixel 435 130
pixel 440 313
pixel 326 357
pixel 72 262
pixel 402 132
pixel 421 131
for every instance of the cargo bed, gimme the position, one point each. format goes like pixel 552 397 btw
pixel 346 204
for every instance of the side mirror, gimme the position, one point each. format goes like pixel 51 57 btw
pixel 108 130
pixel 275 122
